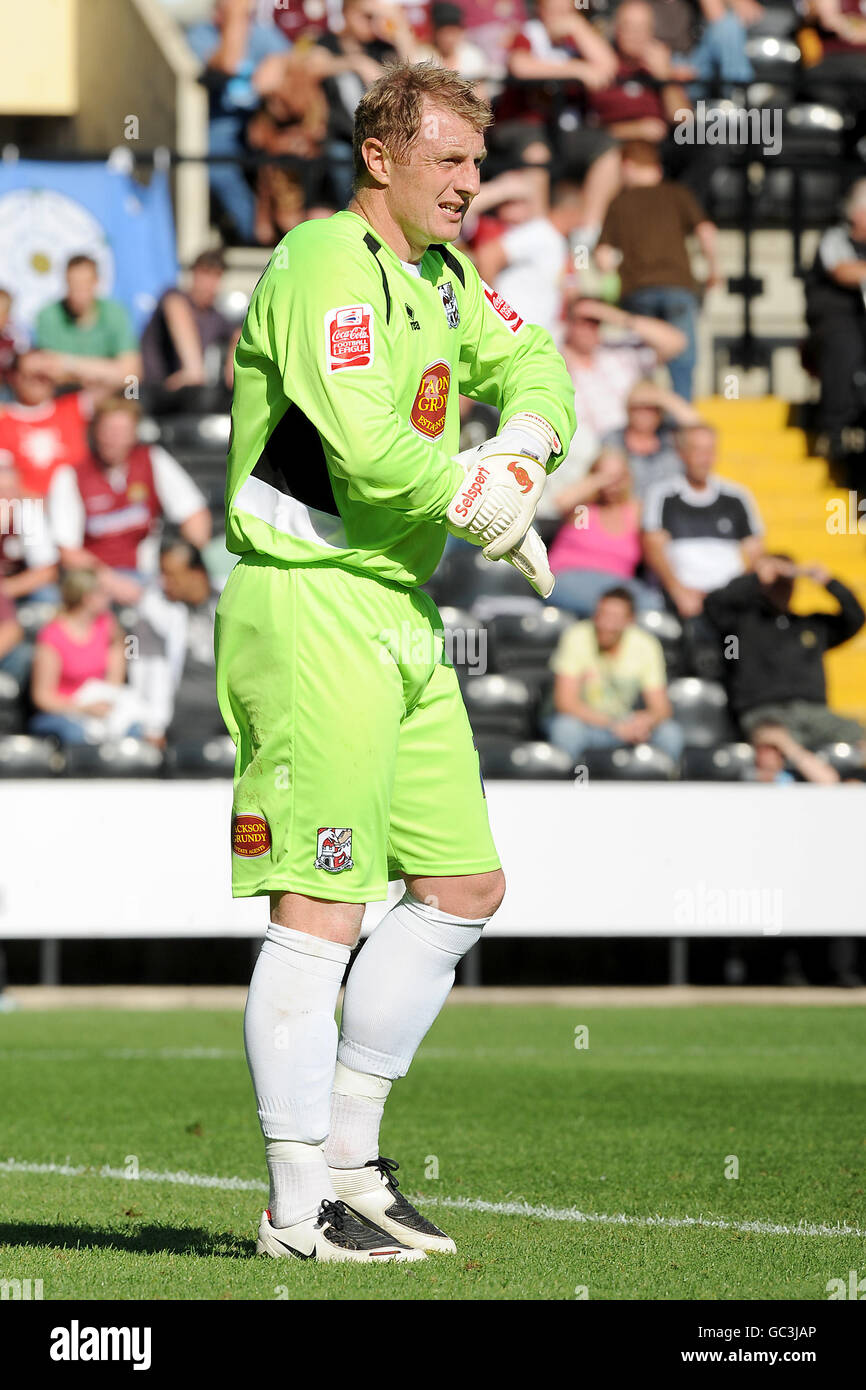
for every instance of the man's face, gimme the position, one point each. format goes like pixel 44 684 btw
pixel 583 334
pixel 611 618
pixel 768 757
pixel 555 13
pixel 204 285
pixel 360 20
pixel 81 283
pixel 698 453
pixel 645 419
pixel 447 39
pixel 30 385
pixel 175 574
pixel 115 435
pixel 633 29
pixel 428 196
pixel 857 222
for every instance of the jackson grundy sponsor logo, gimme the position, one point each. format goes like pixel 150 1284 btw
pixel 251 836
pixel 429 407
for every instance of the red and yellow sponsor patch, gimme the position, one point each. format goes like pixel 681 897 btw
pixel 427 415
pixel 251 836
pixel 349 337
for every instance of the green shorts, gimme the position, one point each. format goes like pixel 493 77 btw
pixel 355 758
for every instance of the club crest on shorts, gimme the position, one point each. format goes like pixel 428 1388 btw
pixel 449 304
pixel 334 849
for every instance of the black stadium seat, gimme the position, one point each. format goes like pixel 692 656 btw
pixel 125 757
pixel 502 757
pixel 701 709
pixel 519 639
pixel 499 705
pixel 845 757
pixel 637 763
pixel 728 763
pixel 466 580
pixel 213 757
pixel 23 756
pixel 10 704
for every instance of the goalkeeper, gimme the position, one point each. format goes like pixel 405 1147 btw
pixel 355 759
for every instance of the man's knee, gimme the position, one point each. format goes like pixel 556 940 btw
pixel 472 896
pixel 335 921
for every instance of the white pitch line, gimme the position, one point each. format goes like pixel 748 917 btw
pixel 570 1215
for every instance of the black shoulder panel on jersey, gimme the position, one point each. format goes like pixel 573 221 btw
pixel 372 246
pixel 293 461
pixel 451 261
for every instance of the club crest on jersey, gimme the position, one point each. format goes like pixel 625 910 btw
pixel 429 407
pixel 334 849
pixel 449 304
pixel 500 306
pixel 251 836
pixel 349 337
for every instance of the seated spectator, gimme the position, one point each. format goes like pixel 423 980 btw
pixel 560 46
pixel 833 45
pixel 646 225
pixel 174 672
pixel 718 59
pixel 776 752
pixel 604 372
pixel 292 122
pixel 234 50
pixel 836 316
pixel 40 431
pixel 103 512
pixel 79 669
pixel 84 340
pixel 778 676
pixel 641 101
pixel 610 686
pixel 11 341
pixel 452 49
pixel 15 653
pixel 529 264
pixel 28 554
pixel 700 531
pixel 600 543
pixel 188 343
pixel 647 442
pixel 373 34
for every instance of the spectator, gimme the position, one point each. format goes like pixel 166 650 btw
pixel 561 46
pixel 373 34
pixel 776 751
pixel 452 49
pixel 11 342
pixel 84 340
pixel 836 316
pixel 234 51
pixel 599 544
pixel 647 442
pixel 647 224
pixel 39 431
pixel 778 676
pixel 641 101
pixel 103 512
pixel 833 45
pixel 528 265
pixel 700 531
pixel 718 59
pixel 605 669
pixel 15 653
pixel 79 669
pixel 605 372
pixel 188 342
pixel 174 672
pixel 292 122
pixel 28 555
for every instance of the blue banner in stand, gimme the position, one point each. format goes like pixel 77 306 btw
pixel 51 211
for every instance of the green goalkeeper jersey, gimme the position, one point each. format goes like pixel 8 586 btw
pixel 346 414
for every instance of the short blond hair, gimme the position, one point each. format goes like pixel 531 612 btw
pixel 391 109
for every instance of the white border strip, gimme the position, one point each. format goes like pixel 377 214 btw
pixel 571 1215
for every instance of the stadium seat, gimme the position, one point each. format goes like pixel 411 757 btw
pixel 33 616
pixel 10 704
pixel 638 763
pixel 502 757
pixel 465 641
pixel 23 756
pixel 728 763
pixel 701 709
pixel 846 758
pixel 525 638
pixel 465 579
pixel 125 757
pixel 774 57
pixel 215 757
pixel 499 705
pixel 668 629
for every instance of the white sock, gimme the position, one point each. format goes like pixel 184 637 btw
pixel 399 981
pixel 290 1036
pixel 357 1105
pixel 299 1181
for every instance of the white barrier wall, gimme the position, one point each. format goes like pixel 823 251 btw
pixel 150 859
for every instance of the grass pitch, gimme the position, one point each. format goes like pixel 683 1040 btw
pixel 603 1171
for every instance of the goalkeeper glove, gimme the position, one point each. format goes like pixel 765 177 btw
pixel 502 486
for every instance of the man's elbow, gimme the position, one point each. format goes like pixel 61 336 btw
pixel 197 528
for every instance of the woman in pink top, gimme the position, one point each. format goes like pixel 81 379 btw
pixel 599 546
pixel 83 643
